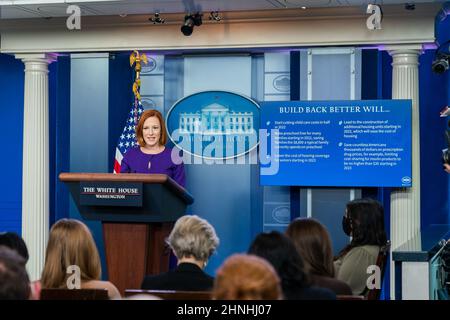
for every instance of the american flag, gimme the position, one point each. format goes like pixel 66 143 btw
pixel 128 137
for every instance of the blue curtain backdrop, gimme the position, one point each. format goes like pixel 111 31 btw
pixel 11 122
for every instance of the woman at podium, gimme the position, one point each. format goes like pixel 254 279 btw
pixel 151 155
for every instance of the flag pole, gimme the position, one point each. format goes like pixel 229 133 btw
pixel 128 137
pixel 135 59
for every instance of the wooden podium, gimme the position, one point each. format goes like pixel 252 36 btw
pixel 134 234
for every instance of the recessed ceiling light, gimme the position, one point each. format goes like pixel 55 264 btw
pixel 123 15
pixel 303 8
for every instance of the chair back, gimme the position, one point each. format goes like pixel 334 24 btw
pixel 349 297
pixel 374 294
pixel 172 294
pixel 74 294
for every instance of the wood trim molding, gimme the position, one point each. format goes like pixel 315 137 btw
pixel 108 177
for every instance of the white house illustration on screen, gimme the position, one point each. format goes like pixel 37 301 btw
pixel 216 119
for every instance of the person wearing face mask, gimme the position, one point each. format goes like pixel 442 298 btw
pixel 151 155
pixel 364 223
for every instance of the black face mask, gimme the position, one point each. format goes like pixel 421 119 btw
pixel 346 226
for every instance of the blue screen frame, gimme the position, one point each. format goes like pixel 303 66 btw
pixel 357 143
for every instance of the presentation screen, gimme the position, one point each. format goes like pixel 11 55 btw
pixel 336 143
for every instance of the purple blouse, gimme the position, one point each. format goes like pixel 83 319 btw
pixel 135 161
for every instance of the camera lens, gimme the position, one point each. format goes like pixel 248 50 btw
pixel 440 66
pixel 446 152
pixel 445 157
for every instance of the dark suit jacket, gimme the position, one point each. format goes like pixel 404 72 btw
pixel 335 285
pixel 185 277
pixel 310 293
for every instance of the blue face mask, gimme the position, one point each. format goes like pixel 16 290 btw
pixel 346 225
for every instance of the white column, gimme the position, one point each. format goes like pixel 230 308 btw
pixel 405 203
pixel 35 176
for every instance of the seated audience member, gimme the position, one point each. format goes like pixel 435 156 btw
pixel 71 244
pixel 246 277
pixel 364 222
pixel 14 281
pixel 313 244
pixel 193 240
pixel 280 251
pixel 15 242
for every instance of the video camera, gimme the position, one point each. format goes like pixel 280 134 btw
pixel 445 259
pixel 446 152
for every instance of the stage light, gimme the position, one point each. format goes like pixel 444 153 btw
pixel 410 6
pixel 440 64
pixel 441 60
pixel 189 22
pixel 156 19
pixel 215 16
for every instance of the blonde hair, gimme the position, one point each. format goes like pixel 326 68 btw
pixel 193 236
pixel 246 277
pixel 70 243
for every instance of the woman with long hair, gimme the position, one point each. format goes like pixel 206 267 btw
pixel 72 247
pixel 313 243
pixel 281 253
pixel 364 223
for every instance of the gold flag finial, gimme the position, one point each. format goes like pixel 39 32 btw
pixel 135 59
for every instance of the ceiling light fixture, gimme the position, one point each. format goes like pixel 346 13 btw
pixel 215 16
pixel 156 19
pixel 189 22
pixel 441 62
